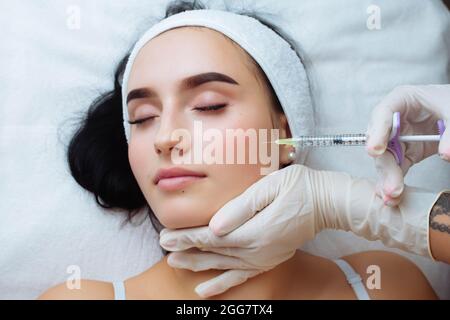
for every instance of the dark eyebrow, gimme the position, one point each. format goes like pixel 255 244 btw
pixel 140 93
pixel 202 78
pixel 188 83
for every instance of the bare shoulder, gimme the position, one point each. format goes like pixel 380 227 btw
pixel 89 290
pixel 398 277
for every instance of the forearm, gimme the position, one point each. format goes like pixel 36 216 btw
pixel 351 204
pixel 439 224
pixel 419 224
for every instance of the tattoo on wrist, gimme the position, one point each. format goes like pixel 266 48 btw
pixel 441 207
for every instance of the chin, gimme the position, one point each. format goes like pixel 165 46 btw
pixel 178 217
pixel 181 223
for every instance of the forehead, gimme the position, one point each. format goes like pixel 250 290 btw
pixel 184 51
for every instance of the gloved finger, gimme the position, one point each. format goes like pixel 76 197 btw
pixel 224 281
pixel 435 98
pixel 444 144
pixel 379 129
pixel 231 252
pixel 182 239
pixel 163 231
pixel 197 260
pixel 394 201
pixel 402 99
pixel 200 237
pixel 240 209
pixel 391 178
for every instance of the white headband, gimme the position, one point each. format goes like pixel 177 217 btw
pixel 274 55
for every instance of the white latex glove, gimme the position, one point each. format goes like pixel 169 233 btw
pixel 420 108
pixel 292 205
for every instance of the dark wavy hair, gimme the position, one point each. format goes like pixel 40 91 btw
pixel 97 153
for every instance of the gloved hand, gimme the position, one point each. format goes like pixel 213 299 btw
pixel 420 108
pixel 292 205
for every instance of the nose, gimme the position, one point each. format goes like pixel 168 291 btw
pixel 165 141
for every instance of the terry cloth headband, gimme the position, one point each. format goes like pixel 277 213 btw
pixel 274 55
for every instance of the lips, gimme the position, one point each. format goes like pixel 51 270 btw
pixel 175 178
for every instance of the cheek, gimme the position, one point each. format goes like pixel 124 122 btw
pixel 140 158
pixel 251 122
pixel 233 179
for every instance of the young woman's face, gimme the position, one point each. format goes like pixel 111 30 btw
pixel 220 74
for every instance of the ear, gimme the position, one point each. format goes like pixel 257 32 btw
pixel 285 132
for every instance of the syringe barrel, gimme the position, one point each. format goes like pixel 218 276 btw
pixel 332 140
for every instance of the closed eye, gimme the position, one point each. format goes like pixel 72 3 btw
pixel 200 109
pixel 211 108
pixel 140 121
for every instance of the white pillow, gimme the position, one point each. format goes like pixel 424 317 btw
pixel 51 71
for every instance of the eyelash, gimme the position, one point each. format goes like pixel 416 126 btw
pixel 211 108
pixel 200 109
pixel 138 122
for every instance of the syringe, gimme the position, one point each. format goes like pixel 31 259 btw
pixel 360 139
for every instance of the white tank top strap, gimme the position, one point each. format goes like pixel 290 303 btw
pixel 119 290
pixel 354 279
